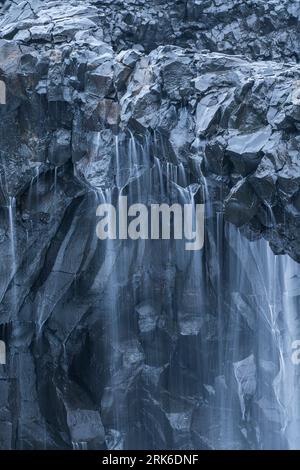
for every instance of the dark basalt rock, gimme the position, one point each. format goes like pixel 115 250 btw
pixel 87 92
pixel 209 85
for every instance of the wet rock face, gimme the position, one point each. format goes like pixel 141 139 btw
pixel 87 84
pixel 257 29
pixel 227 117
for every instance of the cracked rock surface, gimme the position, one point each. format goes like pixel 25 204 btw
pixel 208 87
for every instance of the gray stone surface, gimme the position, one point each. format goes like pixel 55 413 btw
pixel 212 87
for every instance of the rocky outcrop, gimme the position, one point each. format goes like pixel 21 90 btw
pixel 88 83
pixel 257 29
pixel 225 116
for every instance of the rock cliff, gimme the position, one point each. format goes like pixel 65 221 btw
pixel 208 88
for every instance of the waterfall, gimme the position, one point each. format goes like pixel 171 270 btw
pixel 266 282
pixel 256 296
pixel 256 308
pixel 117 160
pixel 13 246
pixel 107 281
pixel 4 334
pixel 201 338
pixel 232 300
pixel 143 178
pixel 289 390
pixel 12 233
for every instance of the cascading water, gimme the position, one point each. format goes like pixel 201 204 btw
pixel 262 292
pixel 11 212
pixel 12 236
pixel 141 182
pixel 221 299
pixel 254 389
pixel 196 348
